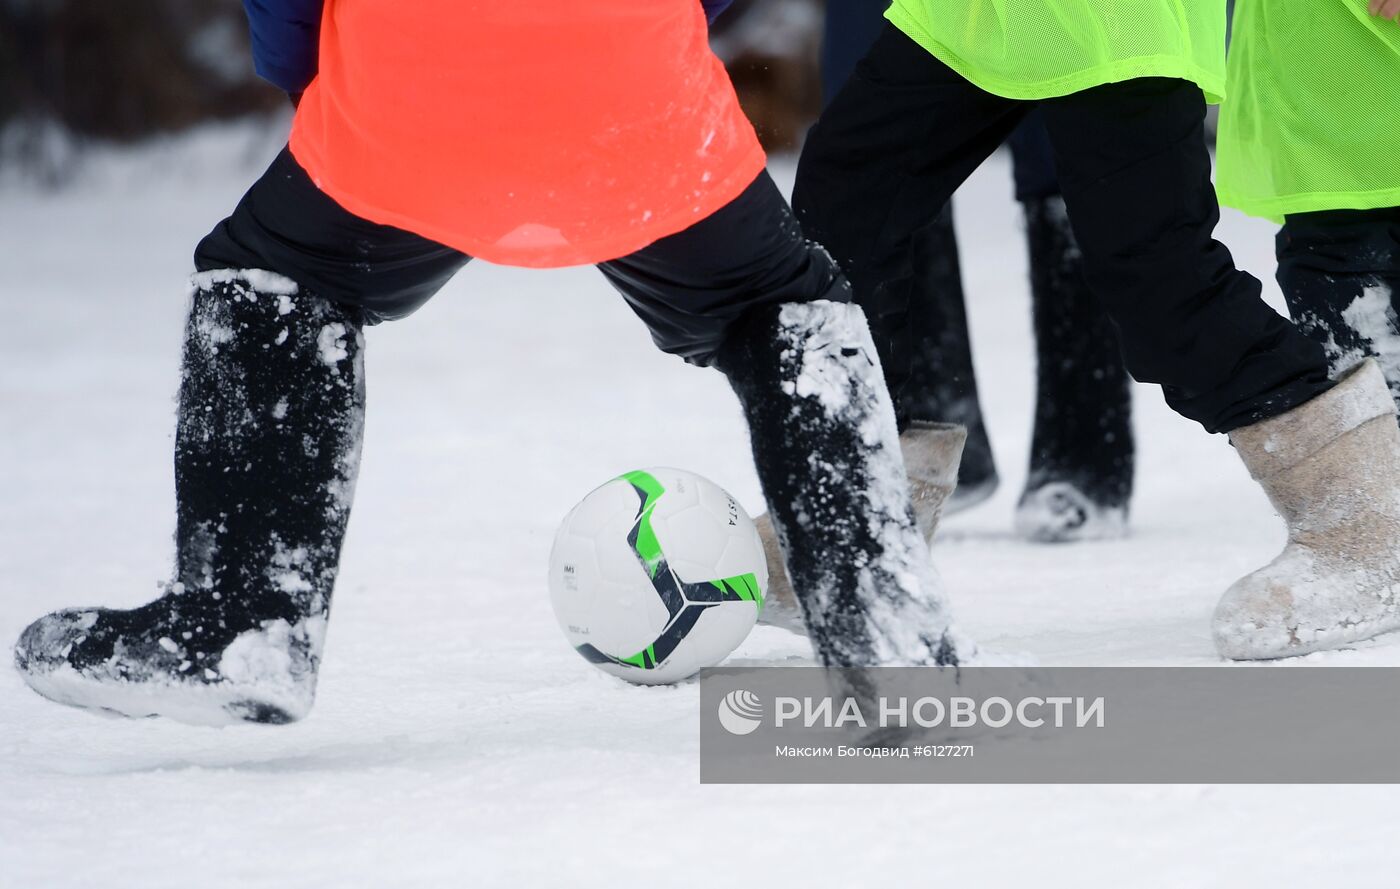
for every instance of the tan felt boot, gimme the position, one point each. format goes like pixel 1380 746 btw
pixel 932 452
pixel 1331 467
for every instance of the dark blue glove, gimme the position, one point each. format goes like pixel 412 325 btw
pixel 714 7
pixel 286 40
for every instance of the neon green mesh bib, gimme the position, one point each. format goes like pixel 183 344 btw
pixel 1313 118
pixel 1035 49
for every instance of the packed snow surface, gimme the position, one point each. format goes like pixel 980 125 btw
pixel 457 740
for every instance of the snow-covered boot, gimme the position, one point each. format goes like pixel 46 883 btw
pixel 266 453
pixel 825 446
pixel 931 452
pixel 1081 460
pixel 1331 467
pixel 942 384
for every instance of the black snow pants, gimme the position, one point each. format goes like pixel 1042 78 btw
pixel 690 288
pixel 906 131
pixel 1340 273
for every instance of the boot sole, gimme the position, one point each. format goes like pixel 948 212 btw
pixel 205 704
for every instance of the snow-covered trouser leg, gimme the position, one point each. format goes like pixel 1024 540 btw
pixel 1081 458
pixel 1340 274
pixel 827 453
pixel 1331 467
pixel 267 449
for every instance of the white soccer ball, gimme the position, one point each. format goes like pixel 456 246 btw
pixel 656 575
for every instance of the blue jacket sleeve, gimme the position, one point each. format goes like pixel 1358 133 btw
pixel 286 39
pixel 714 7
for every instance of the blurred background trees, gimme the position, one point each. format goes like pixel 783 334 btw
pixel 121 70
pixel 773 49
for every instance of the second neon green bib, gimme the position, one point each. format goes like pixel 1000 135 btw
pixel 1313 119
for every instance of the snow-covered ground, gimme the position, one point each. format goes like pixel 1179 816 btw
pixel 457 739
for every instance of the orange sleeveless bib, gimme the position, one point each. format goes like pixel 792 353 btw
pixel 531 132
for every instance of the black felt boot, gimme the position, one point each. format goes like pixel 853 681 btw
pixel 942 386
pixel 266 454
pixel 1081 461
pixel 824 442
